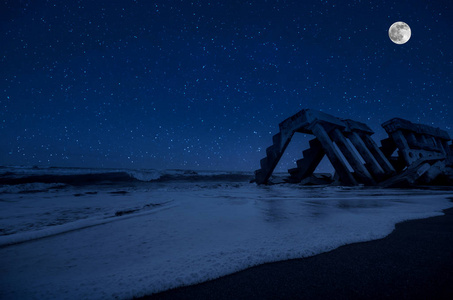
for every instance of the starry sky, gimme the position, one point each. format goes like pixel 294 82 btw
pixel 204 84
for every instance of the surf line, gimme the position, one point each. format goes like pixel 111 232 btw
pixel 19 238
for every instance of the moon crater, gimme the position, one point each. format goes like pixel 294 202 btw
pixel 399 33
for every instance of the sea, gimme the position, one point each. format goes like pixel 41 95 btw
pixel 78 233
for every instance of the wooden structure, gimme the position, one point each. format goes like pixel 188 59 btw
pixel 331 136
pixel 414 141
pixel 422 150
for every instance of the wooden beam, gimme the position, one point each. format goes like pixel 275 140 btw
pixel 378 155
pixel 371 162
pixel 333 155
pixel 352 157
pixel 403 146
pixel 311 159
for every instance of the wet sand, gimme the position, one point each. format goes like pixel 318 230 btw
pixel 414 262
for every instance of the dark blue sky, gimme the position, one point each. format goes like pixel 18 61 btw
pixel 204 84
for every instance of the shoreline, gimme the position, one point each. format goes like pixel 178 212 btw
pixel 414 262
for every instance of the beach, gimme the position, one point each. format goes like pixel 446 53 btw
pixel 120 234
pixel 414 262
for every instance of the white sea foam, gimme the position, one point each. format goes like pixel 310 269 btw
pixel 147 175
pixel 79 224
pixel 28 187
pixel 208 230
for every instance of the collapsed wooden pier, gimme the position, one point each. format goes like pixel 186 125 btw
pixel 423 152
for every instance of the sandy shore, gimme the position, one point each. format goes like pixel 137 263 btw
pixel 413 262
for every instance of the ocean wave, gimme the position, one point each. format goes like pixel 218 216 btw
pixel 75 179
pixel 81 177
pixel 30 235
pixel 28 188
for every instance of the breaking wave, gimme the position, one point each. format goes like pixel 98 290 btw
pixel 81 177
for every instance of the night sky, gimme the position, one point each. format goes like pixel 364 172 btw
pixel 204 84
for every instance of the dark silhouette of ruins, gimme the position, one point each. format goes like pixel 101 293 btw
pixel 424 155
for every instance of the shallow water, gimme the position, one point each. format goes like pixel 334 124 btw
pixel 120 239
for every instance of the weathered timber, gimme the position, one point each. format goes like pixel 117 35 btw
pixel 415 143
pixel 433 172
pixel 330 132
pixel 424 153
pixel 334 157
pixel 413 173
pixel 353 159
pixel 307 165
pixel 377 153
pixel 274 153
pixel 371 163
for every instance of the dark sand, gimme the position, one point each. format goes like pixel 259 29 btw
pixel 413 262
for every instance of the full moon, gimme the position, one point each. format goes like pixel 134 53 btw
pixel 399 33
